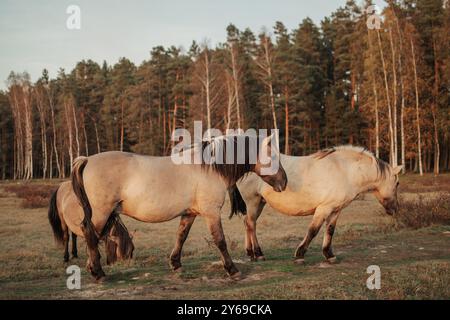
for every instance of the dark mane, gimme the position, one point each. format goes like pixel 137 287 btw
pixel 382 167
pixel 231 172
pixel 323 153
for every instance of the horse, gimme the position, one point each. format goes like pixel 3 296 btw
pixel 65 216
pixel 156 189
pixel 321 185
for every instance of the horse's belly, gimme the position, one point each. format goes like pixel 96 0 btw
pixel 151 212
pixel 157 197
pixel 159 208
pixel 290 203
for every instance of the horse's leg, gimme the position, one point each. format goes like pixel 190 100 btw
pixel 186 222
pixel 249 221
pixel 248 236
pixel 328 236
pixel 93 264
pixel 319 217
pixel 215 227
pixel 74 246
pixel 66 245
pixel 251 241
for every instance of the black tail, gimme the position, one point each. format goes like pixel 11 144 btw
pixel 78 187
pixel 55 221
pixel 238 205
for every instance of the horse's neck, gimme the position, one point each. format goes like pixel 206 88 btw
pixel 367 178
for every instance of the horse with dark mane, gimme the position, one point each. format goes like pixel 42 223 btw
pixel 155 189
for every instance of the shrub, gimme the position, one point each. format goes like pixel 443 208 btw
pixel 33 195
pixel 424 211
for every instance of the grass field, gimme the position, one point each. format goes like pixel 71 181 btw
pixel 414 262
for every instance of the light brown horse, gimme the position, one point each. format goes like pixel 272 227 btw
pixel 322 185
pixel 65 216
pixel 155 189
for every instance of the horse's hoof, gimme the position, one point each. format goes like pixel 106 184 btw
pixel 236 276
pixel 177 270
pixel 261 258
pixel 299 261
pixel 332 260
pixel 100 279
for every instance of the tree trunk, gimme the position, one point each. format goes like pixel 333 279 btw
pixel 121 126
pixel 28 134
pixel 402 108
pixel 230 102
pixel 394 104
pixel 386 86
pixel 86 145
pixel 375 95
pixel 434 112
pixel 69 128
pixel 75 121
pixel 42 117
pixel 236 84
pixel 286 120
pixel 52 110
pixel 419 142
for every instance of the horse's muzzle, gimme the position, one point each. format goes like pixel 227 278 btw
pixel 281 186
pixel 391 206
pixel 278 188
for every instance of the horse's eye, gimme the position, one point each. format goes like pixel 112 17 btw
pixel 398 182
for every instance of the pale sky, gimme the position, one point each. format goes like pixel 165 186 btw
pixel 34 35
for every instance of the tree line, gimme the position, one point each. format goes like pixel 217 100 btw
pixel 339 82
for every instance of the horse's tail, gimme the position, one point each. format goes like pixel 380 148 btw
pixel 54 219
pixel 78 187
pixel 238 205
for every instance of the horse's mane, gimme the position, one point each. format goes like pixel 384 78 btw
pixel 234 171
pixel 382 166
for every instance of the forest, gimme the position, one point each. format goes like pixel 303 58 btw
pixel 339 82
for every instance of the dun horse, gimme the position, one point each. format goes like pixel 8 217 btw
pixel 65 216
pixel 155 189
pixel 322 185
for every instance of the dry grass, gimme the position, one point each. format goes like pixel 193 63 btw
pixel 424 211
pixel 33 195
pixel 415 263
pixel 426 183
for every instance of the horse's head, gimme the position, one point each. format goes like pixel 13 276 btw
pixel 386 189
pixel 119 245
pixel 268 165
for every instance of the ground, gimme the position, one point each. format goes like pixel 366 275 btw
pixel 414 263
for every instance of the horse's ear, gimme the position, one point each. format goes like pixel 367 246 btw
pixel 397 169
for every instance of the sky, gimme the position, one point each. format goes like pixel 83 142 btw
pixel 34 34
